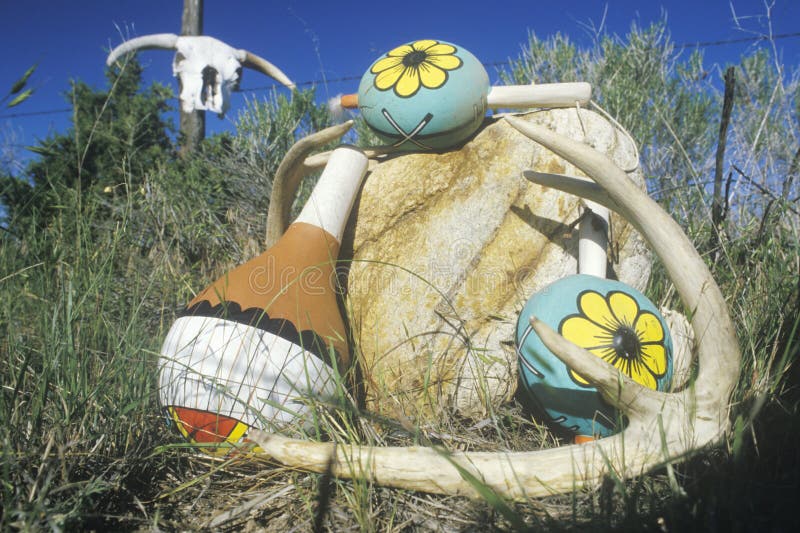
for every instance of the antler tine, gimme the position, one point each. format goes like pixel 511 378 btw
pixel 164 41
pixel 617 388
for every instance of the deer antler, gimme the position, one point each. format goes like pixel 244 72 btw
pixel 289 174
pixel 296 164
pixel 662 427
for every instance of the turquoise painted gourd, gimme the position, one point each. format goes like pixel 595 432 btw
pixel 424 95
pixel 611 320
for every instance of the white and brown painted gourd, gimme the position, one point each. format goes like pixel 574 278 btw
pixel 255 345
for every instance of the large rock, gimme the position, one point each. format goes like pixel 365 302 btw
pixel 447 248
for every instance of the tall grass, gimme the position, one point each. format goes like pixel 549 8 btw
pixel 76 353
pixel 88 294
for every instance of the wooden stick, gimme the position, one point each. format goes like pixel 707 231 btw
pixel 539 95
pixel 522 96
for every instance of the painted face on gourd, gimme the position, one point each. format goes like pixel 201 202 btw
pixel 424 95
pixel 609 319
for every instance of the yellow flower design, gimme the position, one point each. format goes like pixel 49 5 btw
pixel 408 66
pixel 616 330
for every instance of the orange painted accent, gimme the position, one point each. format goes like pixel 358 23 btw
pixel 204 427
pixel 293 280
pixel 581 439
pixel 349 101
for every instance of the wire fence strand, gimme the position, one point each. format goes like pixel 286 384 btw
pixel 310 83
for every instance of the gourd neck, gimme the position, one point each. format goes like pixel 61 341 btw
pixel 330 202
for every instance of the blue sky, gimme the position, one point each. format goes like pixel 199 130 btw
pixel 312 41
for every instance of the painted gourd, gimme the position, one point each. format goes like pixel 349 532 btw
pixel 611 320
pixel 256 345
pixel 424 95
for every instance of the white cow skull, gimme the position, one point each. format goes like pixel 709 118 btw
pixel 207 68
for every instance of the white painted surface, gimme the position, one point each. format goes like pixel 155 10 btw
pixel 593 241
pixel 239 371
pixel 330 203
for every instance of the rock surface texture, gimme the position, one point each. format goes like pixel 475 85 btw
pixel 447 248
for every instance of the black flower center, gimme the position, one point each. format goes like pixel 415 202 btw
pixel 414 58
pixel 626 343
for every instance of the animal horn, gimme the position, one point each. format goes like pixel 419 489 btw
pixel 163 41
pixel 250 60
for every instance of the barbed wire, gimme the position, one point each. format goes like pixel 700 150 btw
pixel 699 44
pixel 310 83
pixel 32 113
pixel 706 44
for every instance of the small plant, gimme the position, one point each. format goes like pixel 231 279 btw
pixel 18 92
